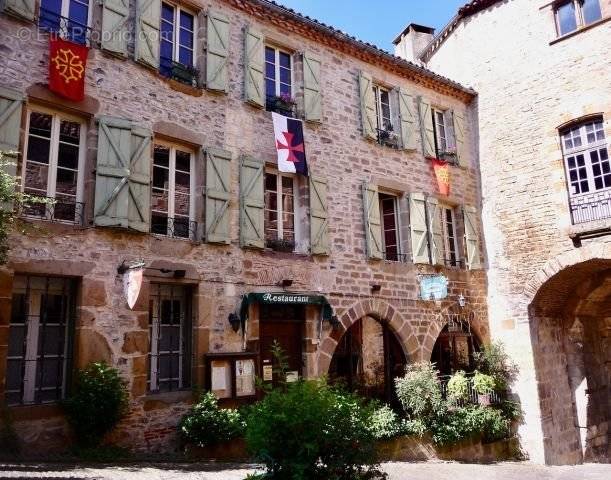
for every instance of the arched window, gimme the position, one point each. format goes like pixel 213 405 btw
pixel 456 345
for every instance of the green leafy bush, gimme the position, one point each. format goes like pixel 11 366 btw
pixel 208 424
pixel 458 387
pixel 414 427
pixel 469 422
pixel 483 384
pixel 98 403
pixel 419 391
pixel 308 430
pixel 493 360
pixel 385 423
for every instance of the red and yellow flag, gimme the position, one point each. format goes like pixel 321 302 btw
pixel 442 172
pixel 67 63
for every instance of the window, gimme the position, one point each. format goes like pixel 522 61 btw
pixel 177 49
pixel 280 191
pixel 445 143
pixel 573 14
pixel 389 213
pixel 53 166
pixel 40 329
pixel 172 209
pixel 383 116
pixel 450 245
pixel 70 18
pixel 278 80
pixel 170 337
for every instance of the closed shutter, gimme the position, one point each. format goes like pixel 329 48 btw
pixel 114 26
pixel 418 227
pixel 25 9
pixel 373 222
pixel 218 195
pixel 252 205
pixel 11 106
pixel 254 84
pixel 312 97
pixel 459 133
pixel 407 119
pixel 427 130
pixel 319 217
pixel 148 17
pixel 435 231
pixel 368 106
pixel 217 51
pixel 122 189
pixel 472 238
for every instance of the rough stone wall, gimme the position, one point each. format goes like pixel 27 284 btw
pixel 529 84
pixel 219 275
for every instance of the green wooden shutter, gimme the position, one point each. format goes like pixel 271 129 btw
pixel 252 205
pixel 373 222
pixel 418 227
pixel 148 18
pixel 407 120
pixel 217 51
pixel 471 238
pixel 312 97
pixel 139 206
pixel 254 84
pixel 218 195
pixel 11 107
pixel 114 26
pixel 459 134
pixel 123 171
pixel 319 216
pixel 25 9
pixel 427 129
pixel 368 106
pixel 435 231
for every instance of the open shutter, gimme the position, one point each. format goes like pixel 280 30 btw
pixel 252 205
pixel 368 106
pixel 139 206
pixel 319 216
pixel 435 231
pixel 373 222
pixel 254 85
pixel 312 97
pixel 11 106
pixel 459 134
pixel 148 17
pixel 427 130
pixel 25 9
pixel 418 227
pixel 471 238
pixel 407 120
pixel 114 26
pixel 217 51
pixel 218 194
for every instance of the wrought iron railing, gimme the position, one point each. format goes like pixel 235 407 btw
pixel 276 104
pixel 591 207
pixel 59 210
pixel 64 27
pixel 174 227
pixel 473 398
pixel 454 262
pixel 396 257
pixel 388 138
pixel 177 71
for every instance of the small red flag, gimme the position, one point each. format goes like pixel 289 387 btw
pixel 67 62
pixel 442 172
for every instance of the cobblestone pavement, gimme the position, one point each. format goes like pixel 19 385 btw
pixel 397 471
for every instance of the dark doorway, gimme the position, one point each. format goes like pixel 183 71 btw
pixel 283 324
pixel 367 360
pixel 454 350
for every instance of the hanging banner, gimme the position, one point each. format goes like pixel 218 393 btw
pixel 132 283
pixel 442 173
pixel 290 145
pixel 67 63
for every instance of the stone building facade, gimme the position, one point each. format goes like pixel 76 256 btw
pixel 175 169
pixel 543 115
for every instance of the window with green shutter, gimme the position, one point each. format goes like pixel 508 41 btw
pixel 435 231
pixel 252 205
pixel 459 136
pixel 217 51
pixel 11 107
pixel 373 222
pixel 407 120
pixel 312 96
pixel 472 239
pixel 368 106
pixel 419 228
pixel 25 9
pixel 319 216
pixel 114 26
pixel 427 129
pixel 254 80
pixel 218 196
pixel 148 18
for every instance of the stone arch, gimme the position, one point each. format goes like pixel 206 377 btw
pixel 383 312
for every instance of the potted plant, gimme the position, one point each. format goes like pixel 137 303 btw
pixel 281 245
pixel 185 74
pixel 458 388
pixel 484 386
pixel 387 136
pixel 283 104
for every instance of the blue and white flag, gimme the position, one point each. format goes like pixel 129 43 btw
pixel 290 145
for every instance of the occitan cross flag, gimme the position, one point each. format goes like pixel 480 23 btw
pixel 67 63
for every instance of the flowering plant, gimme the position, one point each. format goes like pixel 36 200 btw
pixel 286 98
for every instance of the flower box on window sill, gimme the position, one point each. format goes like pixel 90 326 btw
pixel 388 138
pixel 185 74
pixel 281 245
pixel 284 105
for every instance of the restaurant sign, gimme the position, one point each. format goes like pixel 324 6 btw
pixel 433 287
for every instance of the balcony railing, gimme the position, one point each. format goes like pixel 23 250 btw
pixel 58 210
pixel 64 27
pixel 473 396
pixel 174 227
pixel 388 138
pixel 591 207
pixel 179 72
pixel 397 257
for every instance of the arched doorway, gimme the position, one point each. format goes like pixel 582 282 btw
pixel 367 359
pixel 455 348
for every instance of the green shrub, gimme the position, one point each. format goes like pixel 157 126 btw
pixel 98 403
pixel 208 424
pixel 458 387
pixel 469 422
pixel 493 360
pixel 385 423
pixel 416 427
pixel 308 430
pixel 419 391
pixel 483 384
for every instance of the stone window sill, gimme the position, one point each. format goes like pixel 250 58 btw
pixel 579 30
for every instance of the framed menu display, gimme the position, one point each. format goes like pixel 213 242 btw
pixel 244 377
pixel 232 376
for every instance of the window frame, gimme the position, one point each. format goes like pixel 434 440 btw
pixel 65 9
pixel 450 244
pixel 280 210
pixel 396 199
pixel 178 8
pixel 377 95
pixel 448 127
pixel 277 51
pixel 579 16
pixel 56 118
